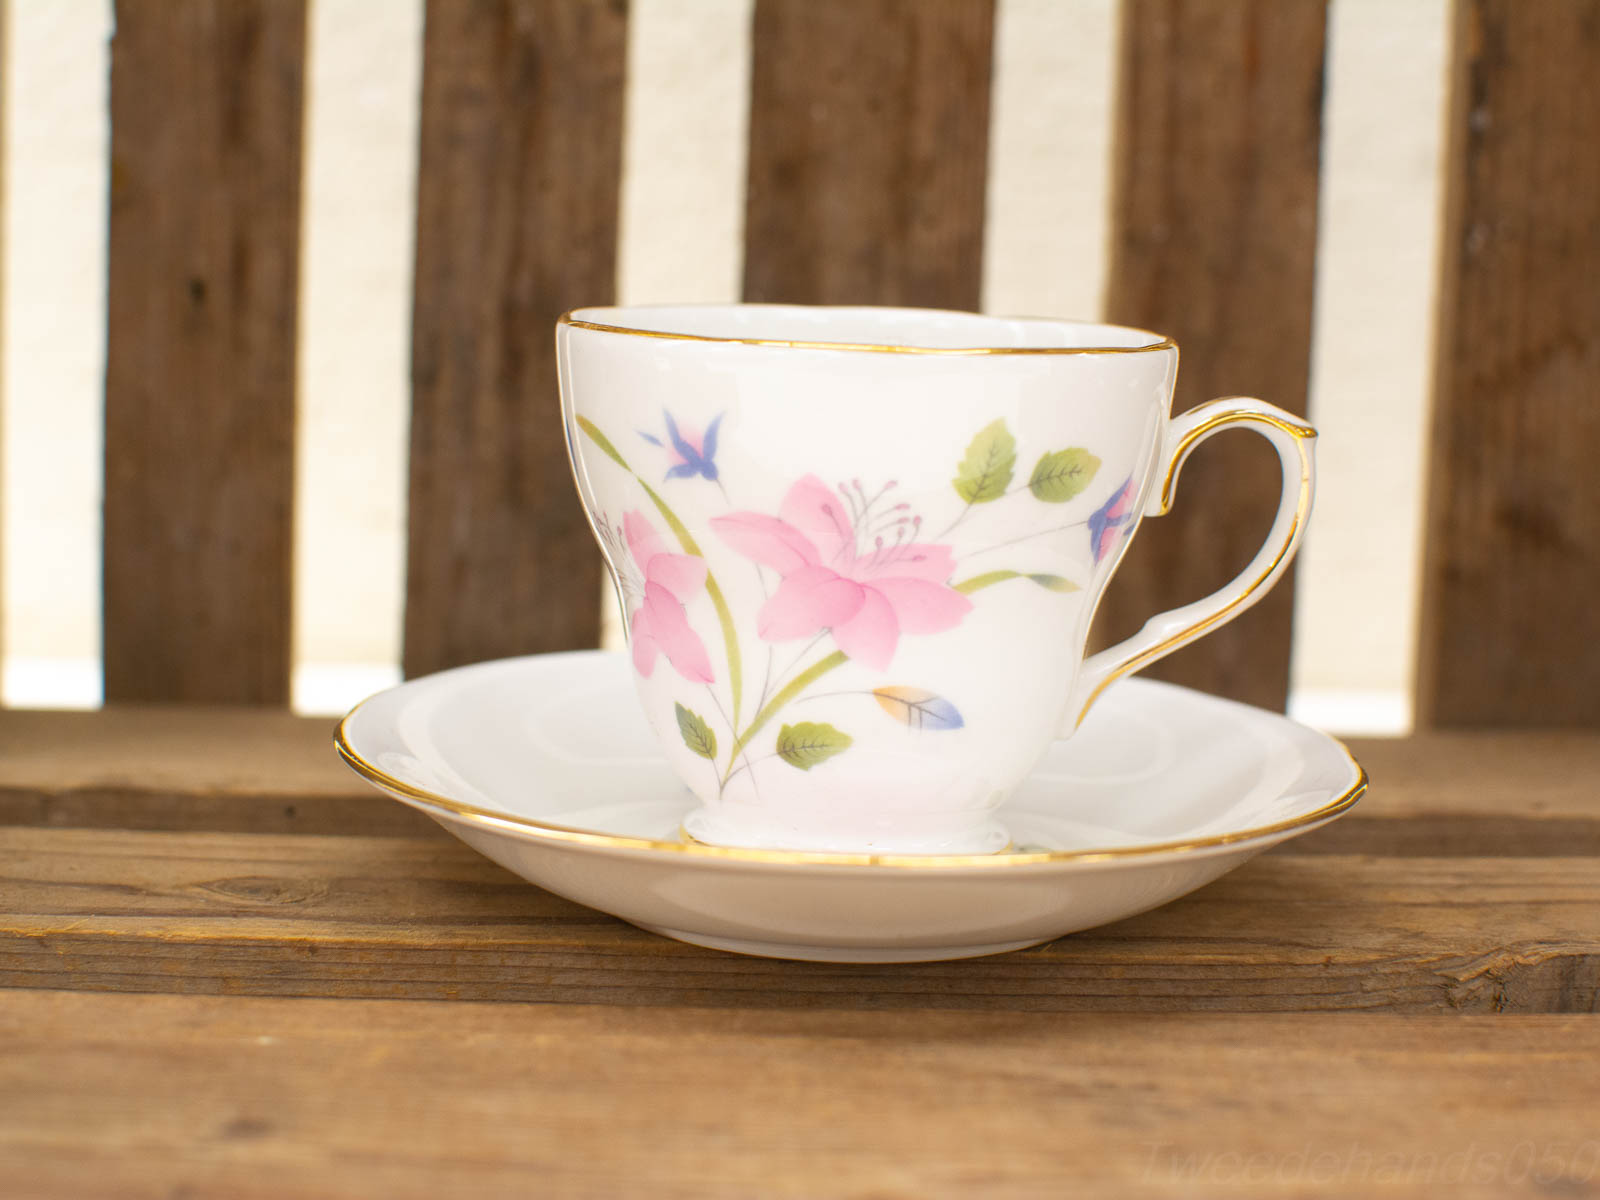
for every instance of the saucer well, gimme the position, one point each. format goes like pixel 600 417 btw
pixel 546 765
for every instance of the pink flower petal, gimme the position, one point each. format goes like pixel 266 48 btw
pixel 918 560
pixel 1118 506
pixel 643 643
pixel 767 540
pixel 871 635
pixel 807 602
pixel 669 630
pixel 817 511
pixel 920 606
pixel 681 574
pixel 644 543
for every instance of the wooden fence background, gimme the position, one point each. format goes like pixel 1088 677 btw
pixel 868 131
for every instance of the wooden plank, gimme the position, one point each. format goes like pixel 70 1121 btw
pixel 1214 228
pixel 1510 633
pixel 1513 795
pixel 230 770
pixel 187 767
pixel 160 1096
pixel 5 141
pixel 869 135
pixel 206 99
pixel 405 918
pixel 516 222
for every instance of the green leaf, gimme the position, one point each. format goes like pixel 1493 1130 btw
pixel 807 744
pixel 696 733
pixel 1055 583
pixel 988 579
pixel 985 473
pixel 601 440
pixel 1062 474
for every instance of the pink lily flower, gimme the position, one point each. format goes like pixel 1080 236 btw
pixel 866 596
pixel 659 625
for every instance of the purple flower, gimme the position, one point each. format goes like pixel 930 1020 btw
pixel 693 453
pixel 1107 520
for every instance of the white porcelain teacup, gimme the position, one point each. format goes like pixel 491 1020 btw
pixel 858 549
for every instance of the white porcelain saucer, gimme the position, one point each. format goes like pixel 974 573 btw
pixel 546 765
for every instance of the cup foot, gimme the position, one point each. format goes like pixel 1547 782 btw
pixel 758 830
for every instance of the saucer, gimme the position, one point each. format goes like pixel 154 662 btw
pixel 546 765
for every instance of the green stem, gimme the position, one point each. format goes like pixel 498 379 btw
pixel 962 516
pixel 749 765
pixel 730 640
pixel 823 665
pixel 794 687
pixel 1029 537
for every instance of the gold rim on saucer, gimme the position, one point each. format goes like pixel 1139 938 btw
pixel 584 837
pixel 685 837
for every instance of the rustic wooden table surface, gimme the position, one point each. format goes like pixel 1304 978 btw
pixel 235 971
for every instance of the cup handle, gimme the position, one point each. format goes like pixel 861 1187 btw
pixel 1165 632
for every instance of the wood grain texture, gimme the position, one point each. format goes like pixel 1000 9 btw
pixel 5 41
pixel 206 100
pixel 409 918
pixel 1214 229
pixel 187 767
pixel 128 1097
pixel 234 770
pixel 1483 794
pixel 869 133
pixel 516 222
pixel 1510 633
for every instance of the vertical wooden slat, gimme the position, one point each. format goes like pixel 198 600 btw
pixel 1510 630
pixel 869 131
pixel 518 184
pixel 5 140
pixel 206 102
pixel 1214 237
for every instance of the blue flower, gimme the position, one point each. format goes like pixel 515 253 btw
pixel 693 454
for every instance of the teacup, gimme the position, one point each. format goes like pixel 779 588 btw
pixel 858 550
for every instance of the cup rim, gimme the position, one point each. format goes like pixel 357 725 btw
pixel 574 319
